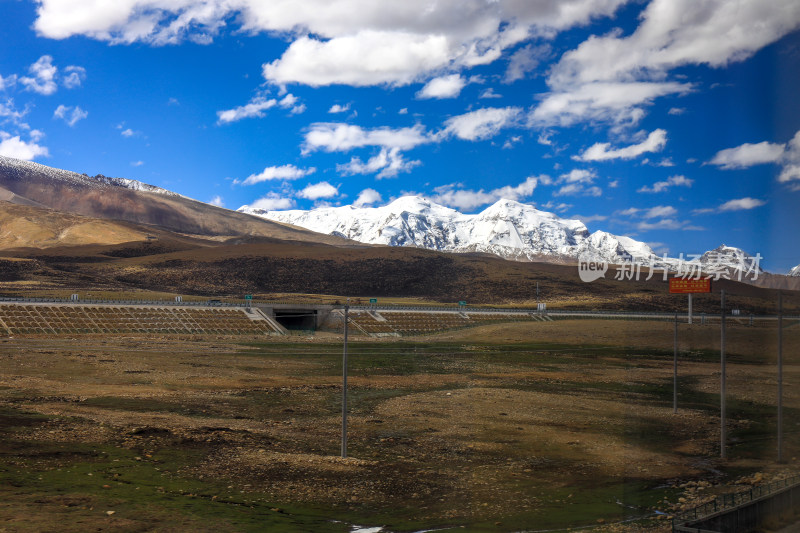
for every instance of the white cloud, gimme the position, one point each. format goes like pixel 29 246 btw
pixel 340 137
pixel 7 82
pixel 70 115
pixel 578 175
pixel 9 110
pixel 43 80
pixel 787 155
pixel 672 181
pixel 17 148
pixel 741 204
pixel 336 108
pixel 290 102
pixel 388 162
pixel 318 190
pixel 588 219
pixel 676 110
pixel 137 163
pixel 354 42
pixel 619 103
pixel 577 182
pixel 660 217
pixel 489 93
pixel 481 123
pixel 655 142
pixel 748 155
pixel 525 60
pixel 366 58
pixel 74 77
pixel 577 189
pixel 367 197
pixel 666 223
pixel 679 32
pixel 467 199
pixel 273 202
pixel 672 33
pixel 217 201
pixel 282 172
pixel 512 141
pixel 443 87
pixel 558 207
pixel 254 108
pixel 658 211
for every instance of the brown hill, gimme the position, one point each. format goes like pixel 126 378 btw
pixel 27 183
pixel 27 226
pixel 269 267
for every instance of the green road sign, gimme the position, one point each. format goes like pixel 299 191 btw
pixel 462 303
pixel 248 296
pixel 373 300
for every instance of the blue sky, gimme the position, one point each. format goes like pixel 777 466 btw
pixel 671 121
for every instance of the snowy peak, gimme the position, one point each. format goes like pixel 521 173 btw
pixel 507 228
pixel 795 272
pixel 20 168
pixel 730 258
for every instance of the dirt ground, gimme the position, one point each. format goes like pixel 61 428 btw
pixel 501 428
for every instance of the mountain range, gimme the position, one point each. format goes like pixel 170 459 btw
pixel 508 229
pixel 62 232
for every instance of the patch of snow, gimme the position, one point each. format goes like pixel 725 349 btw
pixel 20 168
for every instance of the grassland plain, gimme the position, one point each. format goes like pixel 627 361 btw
pixel 503 427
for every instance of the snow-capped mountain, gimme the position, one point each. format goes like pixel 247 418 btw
pixel 795 272
pixel 508 229
pixel 729 258
pixel 22 168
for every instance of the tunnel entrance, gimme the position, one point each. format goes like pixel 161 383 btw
pixel 297 319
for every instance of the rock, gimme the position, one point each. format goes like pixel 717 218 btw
pixel 109 513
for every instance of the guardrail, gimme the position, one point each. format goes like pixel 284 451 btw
pixel 660 315
pixel 85 301
pixel 727 502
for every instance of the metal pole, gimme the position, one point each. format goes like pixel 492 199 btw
pixel 675 371
pixel 690 308
pixel 344 384
pixel 722 377
pixel 780 377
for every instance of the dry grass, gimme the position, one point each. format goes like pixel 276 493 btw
pixel 490 428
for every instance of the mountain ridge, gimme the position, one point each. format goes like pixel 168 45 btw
pixel 24 182
pixel 508 229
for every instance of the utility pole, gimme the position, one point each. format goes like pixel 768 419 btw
pixel 675 370
pixel 780 377
pixel 344 383
pixel 722 376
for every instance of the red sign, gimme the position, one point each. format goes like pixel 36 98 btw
pixel 689 286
